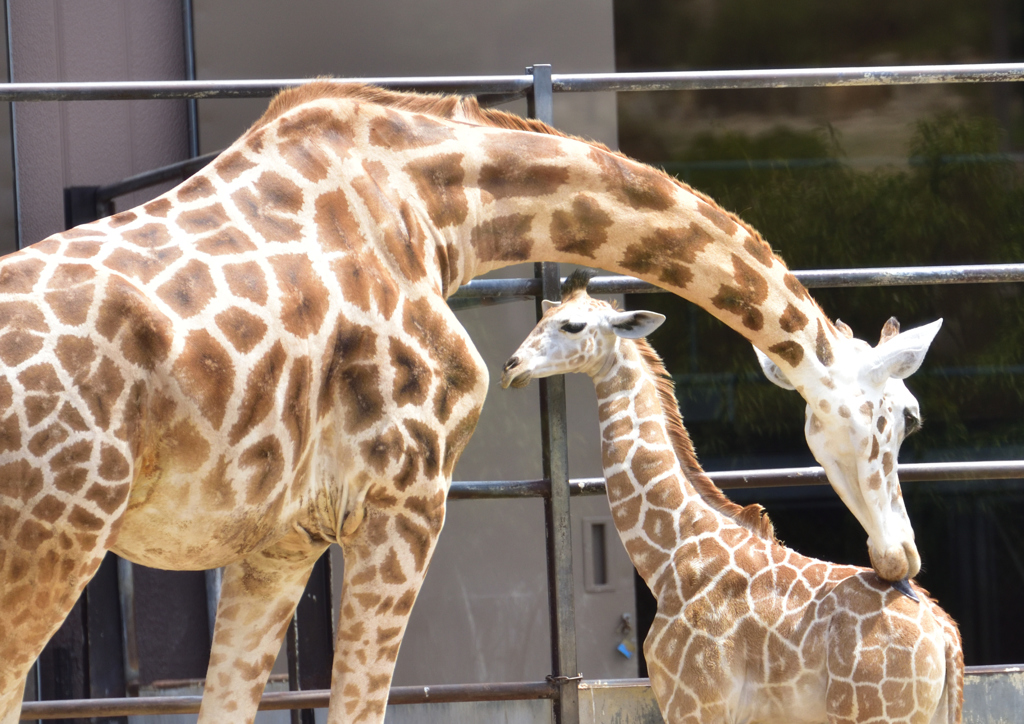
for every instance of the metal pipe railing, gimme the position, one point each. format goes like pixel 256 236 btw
pixel 743 479
pixel 320 698
pixel 503 88
pixel 810 278
pixel 276 701
pixel 519 85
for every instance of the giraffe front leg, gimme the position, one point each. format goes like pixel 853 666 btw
pixel 386 559
pixel 43 571
pixel 258 597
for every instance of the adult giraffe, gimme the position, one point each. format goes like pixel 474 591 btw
pixel 261 362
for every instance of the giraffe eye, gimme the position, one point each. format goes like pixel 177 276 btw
pixel 911 422
pixel 573 327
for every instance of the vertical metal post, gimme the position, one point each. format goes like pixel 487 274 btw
pixel 188 28
pixel 311 637
pixel 558 525
pixel 14 127
pixel 126 592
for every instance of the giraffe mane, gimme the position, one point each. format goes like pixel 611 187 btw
pixel 752 517
pixel 459 108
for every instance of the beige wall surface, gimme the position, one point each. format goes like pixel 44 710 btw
pixel 272 39
pixel 482 614
pixel 91 143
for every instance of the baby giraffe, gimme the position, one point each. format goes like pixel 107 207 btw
pixel 747 630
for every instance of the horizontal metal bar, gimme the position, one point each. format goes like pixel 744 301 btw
pixel 789 77
pixel 318 699
pixel 994 669
pixel 912 276
pixel 517 85
pixel 812 279
pixel 314 699
pixel 169 89
pixel 733 479
pixel 171 172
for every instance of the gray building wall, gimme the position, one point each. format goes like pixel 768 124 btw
pixel 92 142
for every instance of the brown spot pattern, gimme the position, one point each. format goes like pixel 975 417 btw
pixel 790 351
pixel 142 265
pixel 125 217
pixel 20 481
pixel 743 300
pixel 792 320
pixel 101 391
pixel 350 375
pixel 583 229
pixel 206 374
pixel 305 156
pixel 384 449
pixel 631 183
pixel 226 240
pixel 304 298
pixel 45 440
pixel 158 207
pixel 412 375
pixel 246 280
pixel 189 290
pixel 509 174
pixel 458 371
pixel 147 332
pixel 270 205
pixel 82 249
pixel 243 330
pixel 71 305
pixel 295 414
pixel 400 132
pixel 230 166
pixel 337 228
pixel 363 280
pixel 202 220
pixel 667 253
pixel 17 346
pixel 822 348
pixel 150 236
pixel 19 275
pixel 503 237
pixel 722 220
pixel 439 181
pixel 266 459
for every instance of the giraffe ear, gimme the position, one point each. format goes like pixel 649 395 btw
pixel 902 354
pixel 547 304
pixel 772 371
pixel 634 325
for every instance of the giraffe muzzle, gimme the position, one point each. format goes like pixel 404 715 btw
pixel 509 378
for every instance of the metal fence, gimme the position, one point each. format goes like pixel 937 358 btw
pixel 538 85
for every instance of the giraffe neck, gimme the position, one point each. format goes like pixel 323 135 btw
pixel 551 198
pixel 661 500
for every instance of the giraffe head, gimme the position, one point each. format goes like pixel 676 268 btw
pixel 577 335
pixel 857 417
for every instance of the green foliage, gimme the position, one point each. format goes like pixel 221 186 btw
pixel 683 34
pixel 957 201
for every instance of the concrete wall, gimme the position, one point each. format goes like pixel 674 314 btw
pixel 92 142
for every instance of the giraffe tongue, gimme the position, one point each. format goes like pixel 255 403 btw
pixel 903 586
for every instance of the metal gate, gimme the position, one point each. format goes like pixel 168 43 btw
pixel 537 85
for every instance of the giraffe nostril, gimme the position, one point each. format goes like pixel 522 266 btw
pixel 512 362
